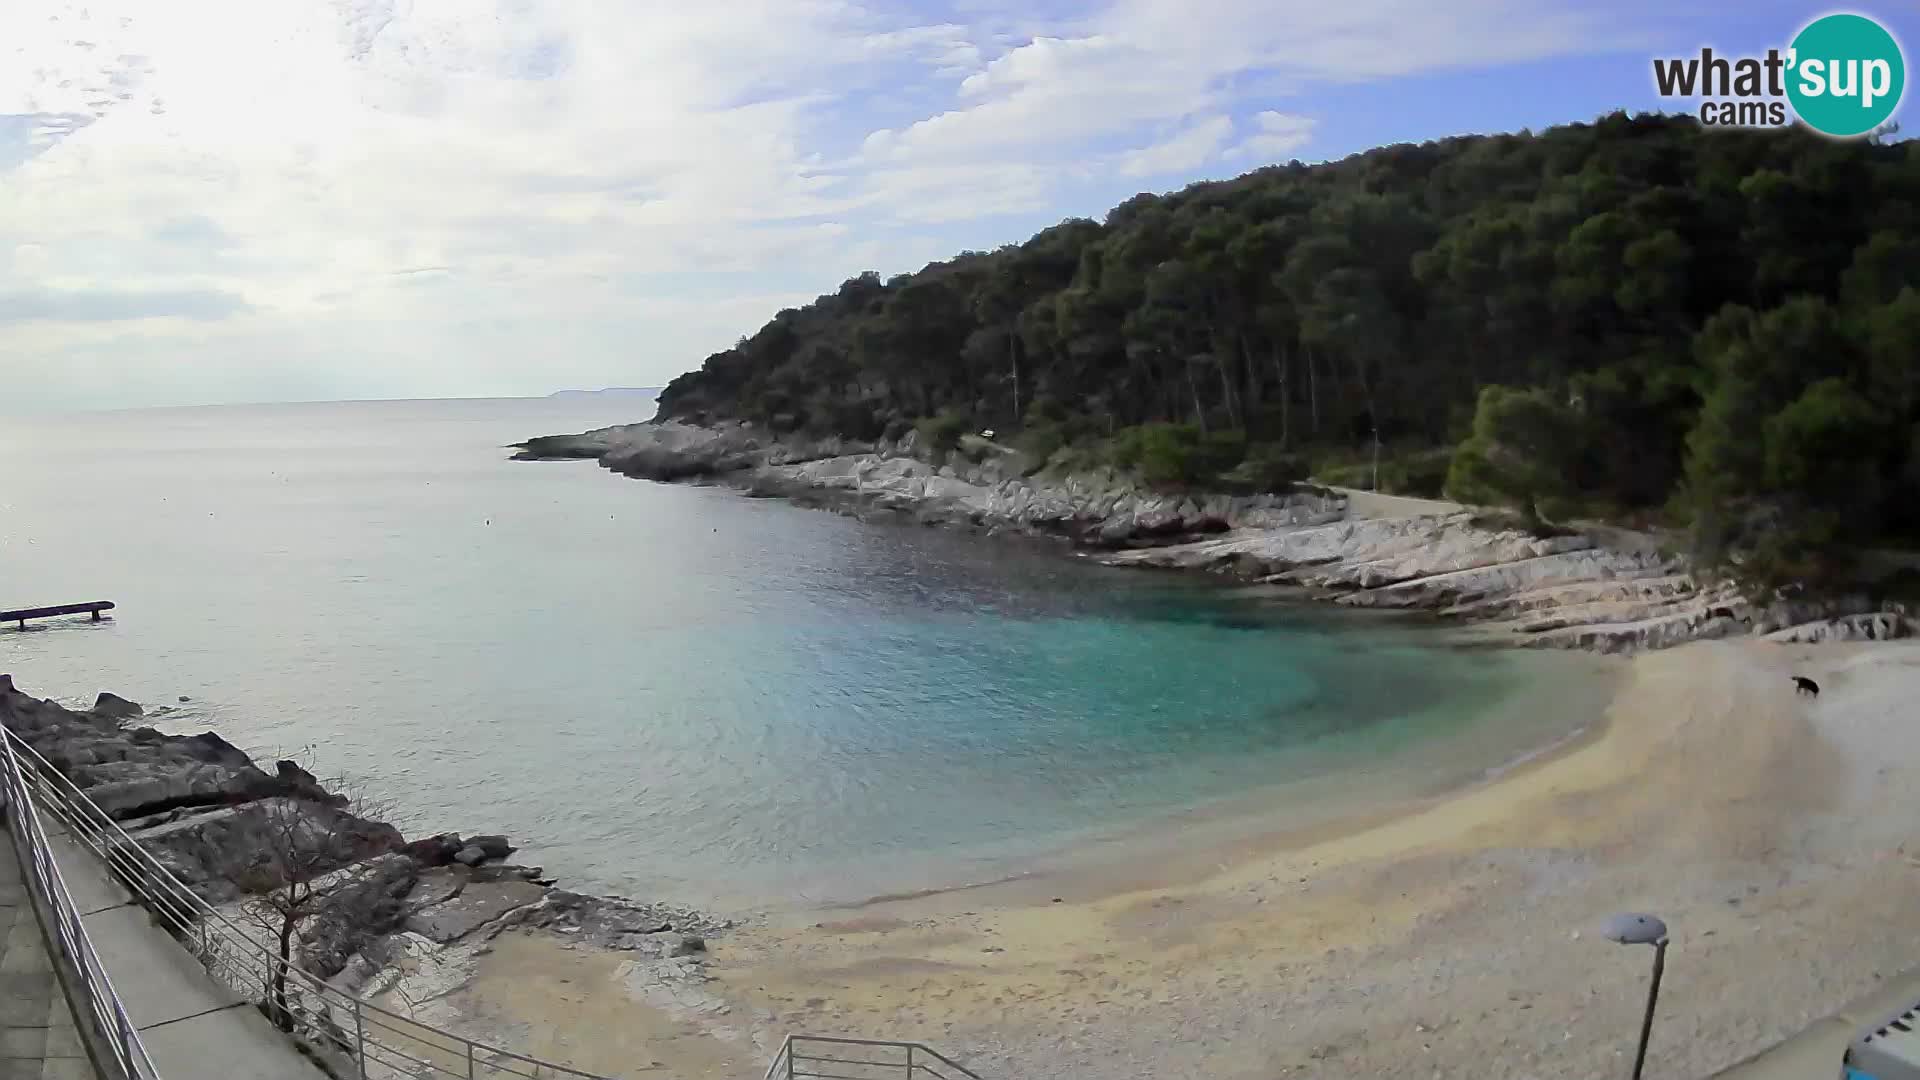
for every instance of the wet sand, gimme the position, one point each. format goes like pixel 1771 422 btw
pixel 1453 938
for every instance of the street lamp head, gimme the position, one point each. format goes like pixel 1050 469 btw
pixel 1635 929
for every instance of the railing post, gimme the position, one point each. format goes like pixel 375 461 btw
pixel 359 1043
pixel 789 1059
pixel 127 1034
pixel 469 1043
pixel 909 1061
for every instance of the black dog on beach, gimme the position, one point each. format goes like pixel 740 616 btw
pixel 1804 685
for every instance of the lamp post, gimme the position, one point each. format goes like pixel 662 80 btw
pixel 1637 929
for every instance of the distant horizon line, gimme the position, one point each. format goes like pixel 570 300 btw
pixel 63 411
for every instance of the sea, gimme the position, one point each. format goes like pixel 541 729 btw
pixel 680 693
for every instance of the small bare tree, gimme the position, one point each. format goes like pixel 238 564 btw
pixel 294 859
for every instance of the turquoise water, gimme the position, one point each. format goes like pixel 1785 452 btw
pixel 687 694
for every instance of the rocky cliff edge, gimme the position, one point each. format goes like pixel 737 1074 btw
pixel 1601 589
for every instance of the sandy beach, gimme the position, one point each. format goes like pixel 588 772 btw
pixel 1768 828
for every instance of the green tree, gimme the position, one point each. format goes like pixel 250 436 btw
pixel 1519 453
pixel 1674 291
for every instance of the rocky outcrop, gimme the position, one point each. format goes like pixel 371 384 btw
pixel 612 923
pixel 436 850
pixel 215 851
pixel 673 451
pixel 1561 591
pixel 1589 590
pixel 1593 593
pixel 1601 588
pixel 587 444
pixel 1097 509
pixel 470 907
pixel 115 707
pixel 141 772
pixel 1367 553
pixel 230 831
pixel 1865 626
pixel 988 487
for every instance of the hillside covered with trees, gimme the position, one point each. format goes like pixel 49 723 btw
pixel 1637 318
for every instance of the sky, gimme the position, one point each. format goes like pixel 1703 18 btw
pixel 204 201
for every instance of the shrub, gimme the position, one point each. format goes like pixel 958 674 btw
pixel 1218 451
pixel 1165 453
pixel 1176 455
pixel 1558 508
pixel 1044 409
pixel 1267 468
pixel 1124 448
pixel 1900 587
pixel 1423 473
pixel 942 432
pixel 1347 476
pixel 1041 441
pixel 1783 560
pixel 853 419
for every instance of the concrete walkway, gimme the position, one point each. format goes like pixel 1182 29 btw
pixel 37 1039
pixel 1373 504
pixel 191 1025
pixel 1816 1052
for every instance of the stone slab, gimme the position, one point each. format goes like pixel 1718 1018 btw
pixel 477 905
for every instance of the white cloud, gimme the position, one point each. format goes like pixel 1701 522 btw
pixel 418 196
pixel 1144 63
pixel 1048 96
pixel 1196 145
pixel 1275 136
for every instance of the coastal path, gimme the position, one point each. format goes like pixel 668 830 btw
pixel 92 987
pixel 1816 1052
pixel 191 1024
pixel 37 1036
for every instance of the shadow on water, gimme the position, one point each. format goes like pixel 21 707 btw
pixel 56 626
pixel 1214 613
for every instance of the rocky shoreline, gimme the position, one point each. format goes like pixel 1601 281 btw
pixel 403 909
pixel 1601 589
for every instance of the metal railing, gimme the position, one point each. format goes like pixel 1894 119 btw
pixel 364 1040
pixel 820 1057
pixel 113 1042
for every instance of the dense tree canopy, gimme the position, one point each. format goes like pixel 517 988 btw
pixel 1719 326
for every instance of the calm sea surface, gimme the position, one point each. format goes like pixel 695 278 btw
pixel 685 694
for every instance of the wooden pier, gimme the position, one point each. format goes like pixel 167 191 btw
pixel 21 615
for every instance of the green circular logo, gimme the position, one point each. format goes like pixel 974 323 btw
pixel 1846 75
